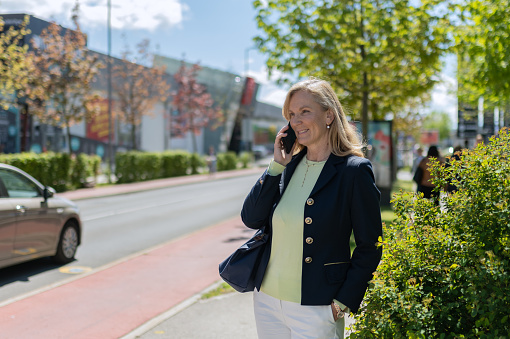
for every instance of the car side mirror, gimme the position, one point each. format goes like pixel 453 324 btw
pixel 48 192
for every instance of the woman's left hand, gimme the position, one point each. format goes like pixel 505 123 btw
pixel 333 309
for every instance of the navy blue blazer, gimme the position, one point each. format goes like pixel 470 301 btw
pixel 344 199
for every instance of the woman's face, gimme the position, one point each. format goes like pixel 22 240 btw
pixel 309 120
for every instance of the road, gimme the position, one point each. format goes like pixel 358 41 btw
pixel 117 227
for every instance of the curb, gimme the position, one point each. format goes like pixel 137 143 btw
pixel 119 189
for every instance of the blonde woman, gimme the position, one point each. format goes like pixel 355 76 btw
pixel 313 198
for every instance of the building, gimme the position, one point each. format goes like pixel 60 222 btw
pixel 236 95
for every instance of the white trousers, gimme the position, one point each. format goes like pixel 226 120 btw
pixel 278 319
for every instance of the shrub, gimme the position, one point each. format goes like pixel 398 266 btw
pixel 226 161
pixel 174 163
pixel 445 269
pixel 195 162
pixel 81 171
pixel 246 158
pixel 57 170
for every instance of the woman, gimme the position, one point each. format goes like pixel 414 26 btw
pixel 312 201
pixel 425 185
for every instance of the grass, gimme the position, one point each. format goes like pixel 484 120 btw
pixel 224 288
pixel 403 185
pixel 387 213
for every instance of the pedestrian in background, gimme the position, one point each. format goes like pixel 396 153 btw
pixel 211 160
pixel 418 159
pixel 425 185
pixel 313 198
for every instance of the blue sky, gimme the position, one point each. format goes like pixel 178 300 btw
pixel 215 33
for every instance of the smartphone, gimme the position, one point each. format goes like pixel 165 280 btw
pixel 289 140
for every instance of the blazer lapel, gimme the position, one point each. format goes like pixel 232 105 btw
pixel 328 172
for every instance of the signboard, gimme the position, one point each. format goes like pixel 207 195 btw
pixel 97 127
pixel 380 151
pixel 429 137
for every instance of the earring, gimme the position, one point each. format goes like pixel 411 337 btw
pixel 327 126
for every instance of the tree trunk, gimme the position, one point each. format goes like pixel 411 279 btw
pixel 364 108
pixel 24 139
pixel 193 135
pixel 68 128
pixel 133 136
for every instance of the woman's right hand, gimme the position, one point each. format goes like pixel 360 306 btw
pixel 279 152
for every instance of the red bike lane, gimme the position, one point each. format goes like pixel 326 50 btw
pixel 113 301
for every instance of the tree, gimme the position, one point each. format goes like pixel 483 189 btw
pixel 439 121
pixel 60 84
pixel 138 87
pixel 14 66
pixel 484 38
pixel 194 106
pixel 376 53
pixel 483 47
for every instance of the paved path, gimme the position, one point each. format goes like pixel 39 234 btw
pixel 111 302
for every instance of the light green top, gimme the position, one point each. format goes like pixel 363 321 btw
pixel 282 279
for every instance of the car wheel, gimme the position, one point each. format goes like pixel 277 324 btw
pixel 67 244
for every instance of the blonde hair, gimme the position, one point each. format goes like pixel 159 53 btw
pixel 343 137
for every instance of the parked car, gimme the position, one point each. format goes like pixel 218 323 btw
pixel 259 151
pixel 34 222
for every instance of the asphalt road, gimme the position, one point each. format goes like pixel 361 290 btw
pixel 117 227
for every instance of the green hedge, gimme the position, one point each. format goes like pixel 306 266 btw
pixel 136 166
pixel 226 161
pixel 139 166
pixel 58 170
pixel 445 271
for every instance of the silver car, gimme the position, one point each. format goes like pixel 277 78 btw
pixel 33 222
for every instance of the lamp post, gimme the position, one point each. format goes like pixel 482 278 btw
pixel 246 60
pixel 110 120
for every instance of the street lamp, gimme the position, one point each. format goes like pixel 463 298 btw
pixel 110 120
pixel 246 59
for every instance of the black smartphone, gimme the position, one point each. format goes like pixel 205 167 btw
pixel 289 140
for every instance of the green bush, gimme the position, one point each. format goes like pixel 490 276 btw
pixel 246 158
pixel 195 162
pixel 81 171
pixel 57 170
pixel 175 163
pixel 226 161
pixel 136 166
pixel 445 269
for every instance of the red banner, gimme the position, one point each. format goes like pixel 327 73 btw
pixel 429 137
pixel 97 127
pixel 249 89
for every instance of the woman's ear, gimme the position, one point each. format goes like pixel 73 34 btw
pixel 329 117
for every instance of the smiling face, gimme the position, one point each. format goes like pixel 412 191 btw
pixel 309 120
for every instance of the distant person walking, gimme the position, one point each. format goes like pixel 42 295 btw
pixel 211 160
pixel 418 159
pixel 425 185
pixel 313 198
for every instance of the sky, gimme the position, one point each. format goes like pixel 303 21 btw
pixel 215 33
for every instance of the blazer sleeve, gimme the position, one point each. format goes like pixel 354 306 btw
pixel 259 202
pixel 367 227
